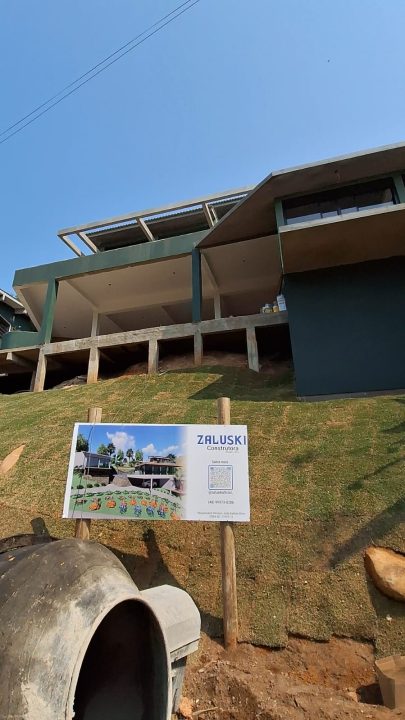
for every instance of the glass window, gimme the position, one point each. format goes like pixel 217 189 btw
pixel 341 201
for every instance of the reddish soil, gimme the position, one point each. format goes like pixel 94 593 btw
pixel 304 681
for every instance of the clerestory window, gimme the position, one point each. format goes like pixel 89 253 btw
pixel 342 201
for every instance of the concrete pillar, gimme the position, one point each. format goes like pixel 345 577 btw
pixel 92 370
pixel 40 374
pixel 253 355
pixel 153 357
pixel 95 324
pixel 32 383
pixel 196 284
pixel 198 348
pixel 217 307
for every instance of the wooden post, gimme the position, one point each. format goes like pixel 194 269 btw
pixel 228 562
pixel 82 529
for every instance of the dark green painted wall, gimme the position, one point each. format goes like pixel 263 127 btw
pixel 16 320
pixel 347 327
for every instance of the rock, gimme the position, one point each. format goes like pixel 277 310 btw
pixel 11 459
pixel 185 708
pixel 387 570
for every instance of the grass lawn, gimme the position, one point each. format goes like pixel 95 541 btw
pixel 326 480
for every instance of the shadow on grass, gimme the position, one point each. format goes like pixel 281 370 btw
pixel 241 384
pixel 373 531
pixel 146 572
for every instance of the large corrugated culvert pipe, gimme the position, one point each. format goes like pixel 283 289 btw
pixel 78 639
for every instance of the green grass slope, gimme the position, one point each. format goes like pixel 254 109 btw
pixel 326 480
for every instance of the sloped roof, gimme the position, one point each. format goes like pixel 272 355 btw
pixel 254 216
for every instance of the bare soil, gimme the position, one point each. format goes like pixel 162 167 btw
pixel 305 680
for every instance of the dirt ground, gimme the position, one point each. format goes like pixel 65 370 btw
pixel 304 681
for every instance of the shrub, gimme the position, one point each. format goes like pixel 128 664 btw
pixel 79 487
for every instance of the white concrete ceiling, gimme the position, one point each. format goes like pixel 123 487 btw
pixel 246 274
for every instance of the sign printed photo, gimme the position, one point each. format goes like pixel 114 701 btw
pixel 158 472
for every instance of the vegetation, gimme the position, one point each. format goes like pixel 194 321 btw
pixel 82 444
pixel 326 480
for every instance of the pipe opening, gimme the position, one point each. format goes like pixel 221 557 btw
pixel 124 673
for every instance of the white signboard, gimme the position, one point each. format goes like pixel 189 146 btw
pixel 158 472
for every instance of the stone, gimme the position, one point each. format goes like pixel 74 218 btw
pixel 11 459
pixel 185 708
pixel 387 571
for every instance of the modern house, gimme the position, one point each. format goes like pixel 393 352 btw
pixel 13 315
pixel 329 235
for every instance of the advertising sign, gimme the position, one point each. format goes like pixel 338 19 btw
pixel 158 472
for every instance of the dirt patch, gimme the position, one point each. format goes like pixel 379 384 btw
pixel 333 681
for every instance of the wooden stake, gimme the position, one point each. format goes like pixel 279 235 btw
pixel 82 529
pixel 228 562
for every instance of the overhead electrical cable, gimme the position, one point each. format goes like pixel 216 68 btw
pixel 90 74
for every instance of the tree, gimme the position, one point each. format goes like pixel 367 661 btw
pixel 130 454
pixel 110 448
pixel 139 456
pixel 102 450
pixel 82 444
pixel 171 457
pixel 120 457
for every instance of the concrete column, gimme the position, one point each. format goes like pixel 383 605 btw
pixel 253 355
pixel 198 348
pixel 92 370
pixel 217 307
pixel 95 324
pixel 153 357
pixel 196 284
pixel 45 333
pixel 32 383
pixel 40 374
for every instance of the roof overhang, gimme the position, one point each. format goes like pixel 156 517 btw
pixel 255 215
pixel 11 301
pixel 344 240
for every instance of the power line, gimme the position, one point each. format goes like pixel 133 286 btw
pixel 104 60
pixel 148 33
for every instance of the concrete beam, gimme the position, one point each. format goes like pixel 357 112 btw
pixel 71 245
pixel 208 216
pixel 146 231
pixel 168 332
pixel 21 361
pixel 156 211
pixel 86 240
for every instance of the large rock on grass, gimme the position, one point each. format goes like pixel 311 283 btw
pixel 387 570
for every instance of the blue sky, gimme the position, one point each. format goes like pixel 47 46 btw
pixel 224 95
pixel 152 440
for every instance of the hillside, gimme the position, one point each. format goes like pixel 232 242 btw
pixel 326 480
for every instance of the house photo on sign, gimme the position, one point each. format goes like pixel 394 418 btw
pixel 158 472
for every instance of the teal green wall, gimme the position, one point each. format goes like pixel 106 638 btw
pixel 347 328
pixel 18 339
pixel 16 320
